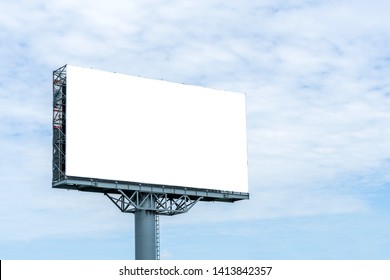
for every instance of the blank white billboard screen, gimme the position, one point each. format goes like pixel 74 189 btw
pixel 127 128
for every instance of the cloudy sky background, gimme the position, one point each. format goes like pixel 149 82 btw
pixel 316 75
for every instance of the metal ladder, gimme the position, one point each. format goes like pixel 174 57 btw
pixel 157 236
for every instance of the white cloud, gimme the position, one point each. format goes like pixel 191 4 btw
pixel 315 74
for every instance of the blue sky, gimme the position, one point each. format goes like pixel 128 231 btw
pixel 318 96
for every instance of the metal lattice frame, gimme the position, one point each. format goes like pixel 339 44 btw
pixel 162 204
pixel 59 123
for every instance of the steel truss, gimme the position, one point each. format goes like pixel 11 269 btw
pixel 59 123
pixel 161 204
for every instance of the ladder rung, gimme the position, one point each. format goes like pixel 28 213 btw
pixel 157 236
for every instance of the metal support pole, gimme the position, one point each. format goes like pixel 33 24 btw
pixel 145 233
pixel 147 207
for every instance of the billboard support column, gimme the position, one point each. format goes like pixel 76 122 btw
pixel 145 232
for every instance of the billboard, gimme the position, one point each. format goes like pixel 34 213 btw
pixel 117 127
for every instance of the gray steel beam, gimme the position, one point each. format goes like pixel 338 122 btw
pixel 106 186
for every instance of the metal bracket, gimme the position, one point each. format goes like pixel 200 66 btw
pixel 159 203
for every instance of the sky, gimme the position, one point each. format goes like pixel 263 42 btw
pixel 315 75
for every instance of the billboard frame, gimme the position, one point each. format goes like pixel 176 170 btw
pixel 146 201
pixel 61 180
